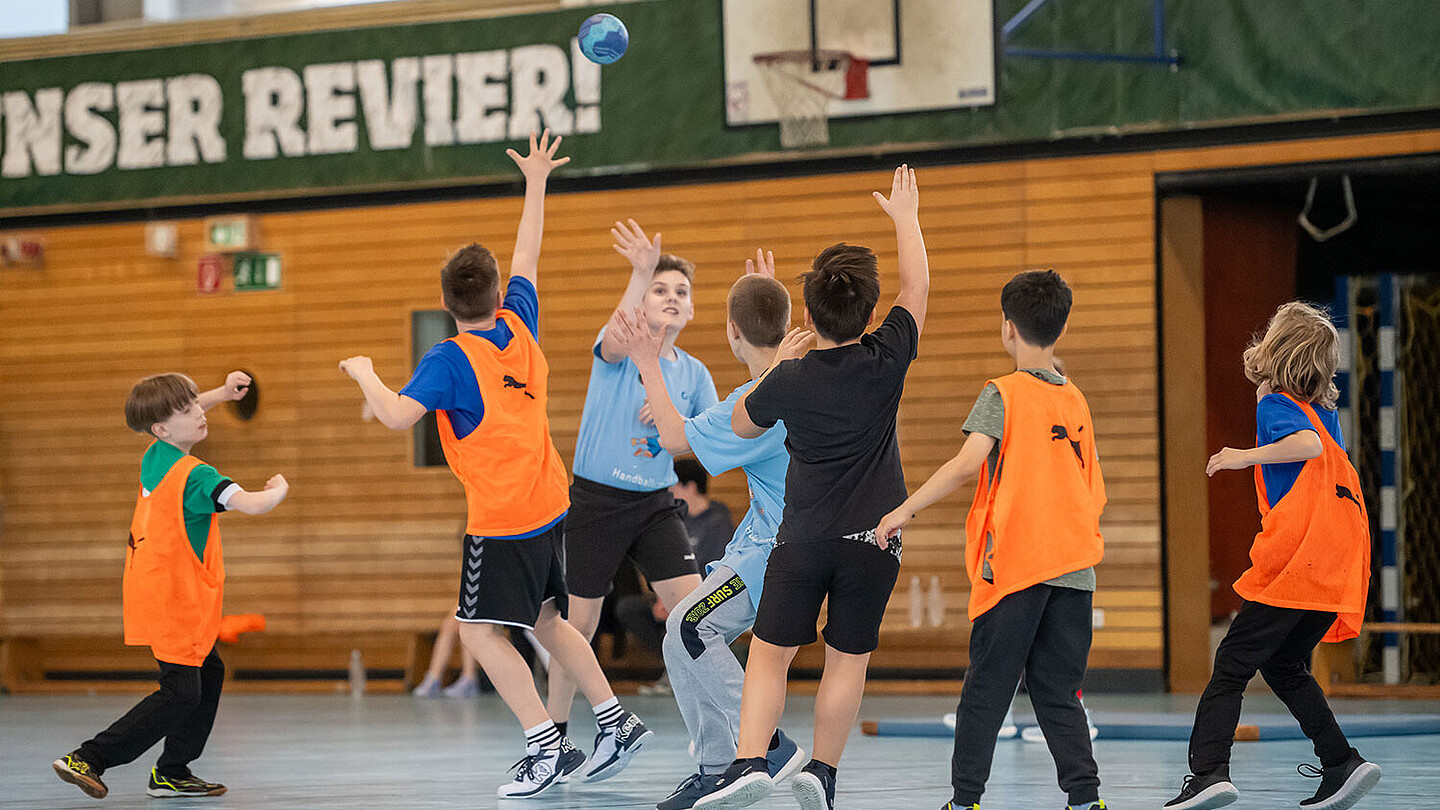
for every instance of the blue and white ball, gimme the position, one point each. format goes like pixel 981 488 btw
pixel 603 38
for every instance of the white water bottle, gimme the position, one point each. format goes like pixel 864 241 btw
pixel 357 674
pixel 936 603
pixel 917 603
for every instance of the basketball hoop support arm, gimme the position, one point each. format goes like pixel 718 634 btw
pixel 1161 56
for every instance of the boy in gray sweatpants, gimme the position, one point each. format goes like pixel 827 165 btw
pixel 704 673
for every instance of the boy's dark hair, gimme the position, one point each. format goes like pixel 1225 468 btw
pixel 760 306
pixel 157 398
pixel 671 262
pixel 469 282
pixel 690 471
pixel 841 290
pixel 1038 303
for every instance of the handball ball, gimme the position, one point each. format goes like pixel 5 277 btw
pixel 603 38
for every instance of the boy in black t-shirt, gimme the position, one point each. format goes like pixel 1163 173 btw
pixel 838 404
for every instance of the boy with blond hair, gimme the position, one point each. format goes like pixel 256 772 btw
pixel 704 673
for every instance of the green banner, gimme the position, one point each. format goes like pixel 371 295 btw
pixel 433 104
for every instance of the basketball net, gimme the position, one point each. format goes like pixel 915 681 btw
pixel 803 83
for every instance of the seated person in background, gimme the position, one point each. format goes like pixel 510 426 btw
pixel 709 525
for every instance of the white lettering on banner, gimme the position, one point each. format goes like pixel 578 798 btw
pixel 142 124
pixel 480 116
pixel 539 79
pixel 195 105
pixel 32 133
pixel 96 151
pixel 462 98
pixel 274 98
pixel 390 113
pixel 439 72
pixel 330 108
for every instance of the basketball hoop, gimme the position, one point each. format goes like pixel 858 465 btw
pixel 803 83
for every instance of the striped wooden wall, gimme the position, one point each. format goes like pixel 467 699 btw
pixel 367 542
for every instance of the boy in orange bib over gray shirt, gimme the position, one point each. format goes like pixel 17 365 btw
pixel 1031 541
pixel 173 589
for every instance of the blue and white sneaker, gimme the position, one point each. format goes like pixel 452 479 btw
pixel 785 759
pixel 693 788
pixel 614 746
pixel 541 768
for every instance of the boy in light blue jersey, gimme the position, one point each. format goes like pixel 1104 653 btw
pixel 620 502
pixel 706 677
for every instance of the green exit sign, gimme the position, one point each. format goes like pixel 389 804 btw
pixel 257 271
pixel 230 233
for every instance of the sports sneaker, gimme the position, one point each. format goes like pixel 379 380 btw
pixel 782 761
pixel 540 768
pixel 1098 804
pixel 79 773
pixel 814 788
pixel 1204 792
pixel 462 688
pixel 614 746
pixel 1033 734
pixel 951 805
pixel 427 688
pixel 1008 729
pixel 684 796
pixel 744 783
pixel 171 787
pixel 1343 785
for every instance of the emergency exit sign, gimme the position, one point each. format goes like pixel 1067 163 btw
pixel 257 271
pixel 230 233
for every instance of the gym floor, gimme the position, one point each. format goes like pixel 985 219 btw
pixel 395 751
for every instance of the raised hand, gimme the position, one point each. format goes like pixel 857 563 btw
pixel 762 265
pixel 904 199
pixel 634 337
pixel 278 481
pixel 642 252
pixel 357 366
pixel 541 161
pixel 794 345
pixel 237 385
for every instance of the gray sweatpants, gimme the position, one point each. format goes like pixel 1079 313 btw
pixel 706 676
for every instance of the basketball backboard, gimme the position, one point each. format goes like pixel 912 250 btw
pixel 922 54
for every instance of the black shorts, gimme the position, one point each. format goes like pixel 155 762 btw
pixel 606 525
pixel 855 573
pixel 507 581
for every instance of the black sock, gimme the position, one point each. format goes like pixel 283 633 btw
pixel 758 763
pixel 817 765
pixel 563 727
pixel 775 740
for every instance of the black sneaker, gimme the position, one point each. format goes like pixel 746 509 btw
pixel 744 783
pixel 814 787
pixel 684 797
pixel 81 774
pixel 1343 785
pixel 173 787
pixel 1204 792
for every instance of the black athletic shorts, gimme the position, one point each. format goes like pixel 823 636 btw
pixel 853 571
pixel 606 525
pixel 507 581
